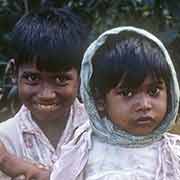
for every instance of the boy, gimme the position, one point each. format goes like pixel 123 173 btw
pixel 49 44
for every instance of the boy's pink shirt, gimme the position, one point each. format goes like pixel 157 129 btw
pixel 74 156
pixel 23 137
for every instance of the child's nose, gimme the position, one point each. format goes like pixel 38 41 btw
pixel 143 103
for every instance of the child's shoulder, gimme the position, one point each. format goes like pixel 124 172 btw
pixel 171 135
pixel 173 139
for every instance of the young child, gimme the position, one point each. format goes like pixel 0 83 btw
pixel 130 91
pixel 49 44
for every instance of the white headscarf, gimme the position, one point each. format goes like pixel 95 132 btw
pixel 104 129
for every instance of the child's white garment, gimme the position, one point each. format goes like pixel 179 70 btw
pixel 23 137
pixel 113 162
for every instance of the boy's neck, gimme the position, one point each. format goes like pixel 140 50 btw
pixel 53 132
pixel 53 129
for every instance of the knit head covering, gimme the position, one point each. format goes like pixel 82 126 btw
pixel 103 127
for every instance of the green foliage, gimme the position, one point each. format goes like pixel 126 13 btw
pixel 161 17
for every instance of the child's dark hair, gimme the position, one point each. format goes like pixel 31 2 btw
pixel 52 38
pixel 131 57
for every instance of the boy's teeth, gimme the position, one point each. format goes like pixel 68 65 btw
pixel 47 107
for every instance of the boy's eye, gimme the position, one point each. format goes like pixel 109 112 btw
pixel 61 80
pixel 31 77
pixel 154 91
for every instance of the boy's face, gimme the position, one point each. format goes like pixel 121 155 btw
pixel 48 95
pixel 138 111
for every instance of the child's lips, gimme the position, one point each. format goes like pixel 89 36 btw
pixel 146 120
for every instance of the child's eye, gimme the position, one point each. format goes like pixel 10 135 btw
pixel 154 91
pixel 126 92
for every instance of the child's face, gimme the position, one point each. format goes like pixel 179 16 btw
pixel 138 111
pixel 48 95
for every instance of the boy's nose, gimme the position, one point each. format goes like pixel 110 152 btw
pixel 47 93
pixel 143 103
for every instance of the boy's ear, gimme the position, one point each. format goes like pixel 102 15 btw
pixel 11 69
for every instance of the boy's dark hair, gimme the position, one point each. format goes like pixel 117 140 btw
pixel 52 38
pixel 129 58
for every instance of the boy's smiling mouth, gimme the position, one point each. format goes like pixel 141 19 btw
pixel 47 107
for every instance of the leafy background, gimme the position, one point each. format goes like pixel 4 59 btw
pixel 162 17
